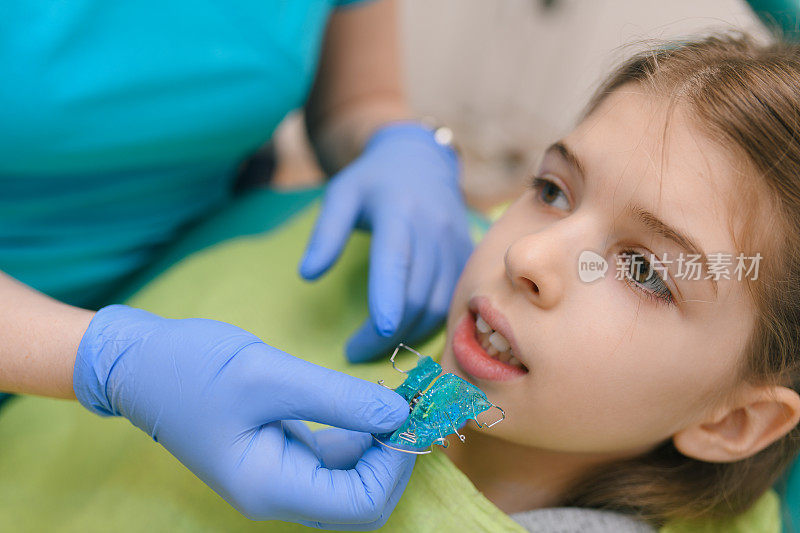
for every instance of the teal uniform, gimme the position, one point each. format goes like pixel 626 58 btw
pixel 780 16
pixel 122 122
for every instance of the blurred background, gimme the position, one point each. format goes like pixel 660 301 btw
pixel 511 76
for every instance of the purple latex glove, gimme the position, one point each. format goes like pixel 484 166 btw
pixel 224 403
pixel 404 189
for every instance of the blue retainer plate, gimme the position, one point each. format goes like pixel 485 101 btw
pixel 447 404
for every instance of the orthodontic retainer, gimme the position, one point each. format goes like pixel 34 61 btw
pixel 438 407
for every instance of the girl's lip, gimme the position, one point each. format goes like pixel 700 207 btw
pixel 473 359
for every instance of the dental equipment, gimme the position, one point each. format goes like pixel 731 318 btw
pixel 438 407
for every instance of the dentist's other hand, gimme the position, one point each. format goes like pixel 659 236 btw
pixel 216 397
pixel 404 189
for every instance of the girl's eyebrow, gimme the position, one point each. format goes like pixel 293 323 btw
pixel 569 156
pixel 643 216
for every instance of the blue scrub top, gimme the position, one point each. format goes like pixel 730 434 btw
pixel 123 121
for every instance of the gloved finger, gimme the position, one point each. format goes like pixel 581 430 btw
pixel 438 303
pixel 360 495
pixel 336 221
pixel 389 266
pixel 299 431
pixel 337 449
pixel 391 503
pixel 283 387
pixel 366 343
pixel 341 449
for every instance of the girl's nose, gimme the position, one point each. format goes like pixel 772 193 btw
pixel 536 266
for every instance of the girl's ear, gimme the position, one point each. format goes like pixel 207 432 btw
pixel 761 416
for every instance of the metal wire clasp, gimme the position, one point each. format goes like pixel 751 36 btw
pixel 397 349
pixel 487 426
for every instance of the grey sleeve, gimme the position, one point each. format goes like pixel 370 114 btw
pixel 578 520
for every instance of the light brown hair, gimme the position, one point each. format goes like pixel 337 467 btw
pixel 745 96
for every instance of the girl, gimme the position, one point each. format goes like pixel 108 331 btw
pixel 657 392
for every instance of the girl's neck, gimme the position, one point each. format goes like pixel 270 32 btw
pixel 518 478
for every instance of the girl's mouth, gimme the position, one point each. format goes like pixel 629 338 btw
pixel 484 353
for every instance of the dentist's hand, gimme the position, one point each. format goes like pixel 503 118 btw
pixel 221 401
pixel 403 188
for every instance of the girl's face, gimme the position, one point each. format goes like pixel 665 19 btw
pixel 623 362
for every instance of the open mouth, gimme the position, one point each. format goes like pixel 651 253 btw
pixel 484 353
pixel 495 345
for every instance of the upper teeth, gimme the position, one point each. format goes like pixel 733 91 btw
pixel 494 343
pixel 499 342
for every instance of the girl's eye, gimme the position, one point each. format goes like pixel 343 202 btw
pixel 550 193
pixel 639 273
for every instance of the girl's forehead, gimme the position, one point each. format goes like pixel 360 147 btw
pixel 650 134
pixel 645 142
